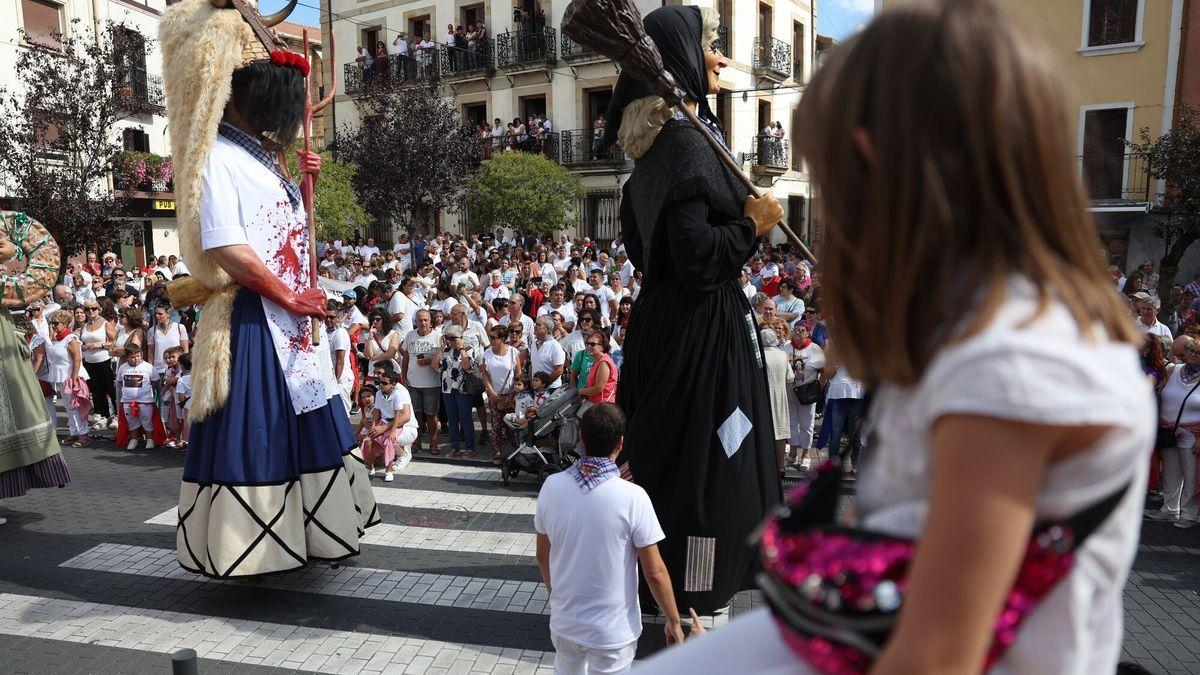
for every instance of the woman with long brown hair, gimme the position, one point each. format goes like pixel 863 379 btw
pixel 960 268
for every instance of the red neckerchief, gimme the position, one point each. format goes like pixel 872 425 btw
pixel 807 342
pixel 62 334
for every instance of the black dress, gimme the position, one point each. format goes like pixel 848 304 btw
pixel 693 386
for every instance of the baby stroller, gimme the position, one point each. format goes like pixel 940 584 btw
pixel 538 450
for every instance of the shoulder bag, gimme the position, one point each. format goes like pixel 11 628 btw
pixel 808 392
pixel 1166 435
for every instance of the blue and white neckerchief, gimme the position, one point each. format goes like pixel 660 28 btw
pixel 591 472
pixel 256 150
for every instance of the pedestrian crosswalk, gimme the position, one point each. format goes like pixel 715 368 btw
pixel 454 544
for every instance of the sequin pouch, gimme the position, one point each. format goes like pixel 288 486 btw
pixel 835 592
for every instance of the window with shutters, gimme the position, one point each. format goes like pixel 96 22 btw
pixel 1104 135
pixel 42 23
pixel 135 140
pixel 1112 22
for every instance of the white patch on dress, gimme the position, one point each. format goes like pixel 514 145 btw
pixel 734 430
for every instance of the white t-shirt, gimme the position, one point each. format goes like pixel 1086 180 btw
pixel 492 292
pixel 469 278
pixel 500 369
pixel 626 273
pixel 1045 372
pixel 606 295
pixel 526 327
pixel 390 405
pixel 402 304
pixel 135 382
pixel 567 310
pixel 444 306
pixel 1158 330
pixel 161 342
pixel 339 341
pixel 544 358
pixel 419 346
pixel 183 388
pixel 593 557
pixel 367 252
pixel 354 316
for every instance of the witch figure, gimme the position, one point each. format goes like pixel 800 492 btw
pixel 29 453
pixel 273 479
pixel 700 435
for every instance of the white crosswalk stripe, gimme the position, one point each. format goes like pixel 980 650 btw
pixel 251 642
pixel 424 538
pixel 483 474
pixel 442 590
pixel 454 501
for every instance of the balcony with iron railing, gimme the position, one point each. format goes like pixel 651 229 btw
pixel 415 68
pixel 545 144
pixel 798 71
pixel 722 42
pixel 772 59
pixel 580 151
pixel 769 156
pixel 475 61
pixel 139 92
pixel 572 52
pixel 527 49
pixel 1116 180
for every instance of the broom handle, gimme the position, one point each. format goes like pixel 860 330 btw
pixel 307 185
pixel 737 170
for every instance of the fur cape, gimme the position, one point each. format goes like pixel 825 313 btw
pixel 201 47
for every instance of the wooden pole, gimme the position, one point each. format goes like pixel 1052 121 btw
pixel 306 191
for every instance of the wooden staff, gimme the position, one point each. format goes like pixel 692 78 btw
pixel 614 29
pixel 306 179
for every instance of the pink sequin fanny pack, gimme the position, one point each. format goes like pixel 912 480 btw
pixel 835 592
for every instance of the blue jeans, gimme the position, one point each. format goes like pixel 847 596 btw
pixel 841 414
pixel 458 414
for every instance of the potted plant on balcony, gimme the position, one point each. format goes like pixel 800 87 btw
pixel 166 173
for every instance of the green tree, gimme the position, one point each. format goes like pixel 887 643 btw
pixel 523 191
pixel 1174 158
pixel 337 212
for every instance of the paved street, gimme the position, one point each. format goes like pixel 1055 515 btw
pixel 89 583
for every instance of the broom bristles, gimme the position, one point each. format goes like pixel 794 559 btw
pixel 614 29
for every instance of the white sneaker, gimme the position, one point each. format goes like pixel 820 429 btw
pixel 805 464
pixel 3 521
pixel 387 478
pixel 132 444
pixel 402 460
pixel 1186 524
pixel 112 423
pixel 1158 514
pixel 371 472
pixel 150 445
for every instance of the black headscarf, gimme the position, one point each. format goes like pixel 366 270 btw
pixel 677 31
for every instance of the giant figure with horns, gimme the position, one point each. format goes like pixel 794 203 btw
pixel 273 478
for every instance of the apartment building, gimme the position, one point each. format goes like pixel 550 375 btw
pixel 530 67
pixel 1122 60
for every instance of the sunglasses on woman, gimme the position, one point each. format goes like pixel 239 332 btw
pixel 594 344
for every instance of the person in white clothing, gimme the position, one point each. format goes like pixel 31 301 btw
pixel 64 354
pixel 394 427
pixel 546 355
pixel 136 379
pixel 1006 380
pixel 341 351
pixel 1180 403
pixel 514 315
pixel 495 288
pixel 1147 307
pixel 593 529
pixel 558 303
pixel 808 360
pixel 419 349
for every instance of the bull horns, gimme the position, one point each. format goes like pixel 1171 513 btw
pixel 268 20
pixel 280 16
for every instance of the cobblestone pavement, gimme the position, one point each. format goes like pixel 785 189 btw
pixel 89 583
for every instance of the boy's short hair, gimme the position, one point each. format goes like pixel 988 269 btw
pixel 388 376
pixel 173 351
pixel 185 360
pixel 543 376
pixel 133 349
pixel 601 429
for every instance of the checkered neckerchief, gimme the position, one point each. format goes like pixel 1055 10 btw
pixel 253 146
pixel 590 472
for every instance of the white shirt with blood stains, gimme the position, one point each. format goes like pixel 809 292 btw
pixel 243 202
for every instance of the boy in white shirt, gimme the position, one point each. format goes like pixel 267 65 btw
pixel 137 396
pixel 593 528
pixel 395 426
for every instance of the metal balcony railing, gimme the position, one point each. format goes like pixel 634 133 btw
pixel 571 51
pixel 1116 178
pixel 798 71
pixel 547 144
pixel 772 58
pixel 416 67
pixel 580 149
pixel 526 49
pixel 770 152
pixel 722 43
pixel 138 92
pixel 477 60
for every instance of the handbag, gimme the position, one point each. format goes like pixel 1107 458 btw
pixel 472 384
pixel 835 592
pixel 808 392
pixel 1165 438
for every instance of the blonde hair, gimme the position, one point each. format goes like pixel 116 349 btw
pixel 964 177
pixel 643 118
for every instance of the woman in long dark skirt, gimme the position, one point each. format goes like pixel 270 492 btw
pixel 700 438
